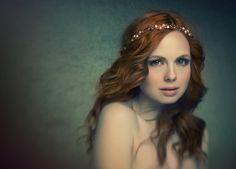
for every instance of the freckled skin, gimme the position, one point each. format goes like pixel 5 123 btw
pixel 170 70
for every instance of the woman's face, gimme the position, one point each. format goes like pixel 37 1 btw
pixel 169 69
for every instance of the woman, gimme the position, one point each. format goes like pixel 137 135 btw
pixel 143 114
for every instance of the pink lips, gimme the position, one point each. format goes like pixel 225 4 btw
pixel 169 91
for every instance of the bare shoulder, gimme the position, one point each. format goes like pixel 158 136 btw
pixel 114 136
pixel 117 105
pixel 117 112
pixel 205 141
pixel 205 138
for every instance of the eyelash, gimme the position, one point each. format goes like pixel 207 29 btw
pixel 155 62
pixel 179 61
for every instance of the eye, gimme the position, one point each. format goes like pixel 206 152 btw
pixel 155 62
pixel 183 61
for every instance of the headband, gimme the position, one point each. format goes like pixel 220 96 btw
pixel 182 29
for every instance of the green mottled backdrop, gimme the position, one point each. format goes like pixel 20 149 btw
pixel 52 53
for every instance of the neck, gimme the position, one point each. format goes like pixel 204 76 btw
pixel 147 108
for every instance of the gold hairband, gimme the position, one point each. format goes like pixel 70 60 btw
pixel 162 27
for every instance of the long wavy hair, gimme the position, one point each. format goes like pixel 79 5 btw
pixel 121 82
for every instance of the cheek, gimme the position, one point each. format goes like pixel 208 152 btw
pixel 153 78
pixel 151 81
pixel 185 76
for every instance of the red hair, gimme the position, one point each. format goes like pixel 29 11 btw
pixel 121 82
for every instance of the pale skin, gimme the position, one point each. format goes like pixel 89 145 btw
pixel 122 125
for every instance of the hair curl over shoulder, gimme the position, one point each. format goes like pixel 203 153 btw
pixel 121 82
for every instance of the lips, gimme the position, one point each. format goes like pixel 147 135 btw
pixel 169 88
pixel 169 91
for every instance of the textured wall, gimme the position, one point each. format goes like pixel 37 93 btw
pixel 52 53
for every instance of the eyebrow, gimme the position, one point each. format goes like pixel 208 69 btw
pixel 161 57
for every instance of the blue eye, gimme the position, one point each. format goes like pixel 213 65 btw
pixel 183 61
pixel 155 62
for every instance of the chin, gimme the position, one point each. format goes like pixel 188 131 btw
pixel 168 100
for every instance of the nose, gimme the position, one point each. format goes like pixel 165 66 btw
pixel 170 75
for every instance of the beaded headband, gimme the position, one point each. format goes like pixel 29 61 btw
pixel 162 27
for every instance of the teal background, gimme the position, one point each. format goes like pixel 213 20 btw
pixel 53 52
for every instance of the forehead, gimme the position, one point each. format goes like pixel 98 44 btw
pixel 174 44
